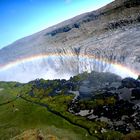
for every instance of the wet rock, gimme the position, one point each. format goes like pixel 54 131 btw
pixel 130 83
pixel 136 94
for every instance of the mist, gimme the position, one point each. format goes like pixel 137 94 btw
pixel 58 67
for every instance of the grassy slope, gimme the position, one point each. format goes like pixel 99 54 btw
pixel 21 118
pixel 20 115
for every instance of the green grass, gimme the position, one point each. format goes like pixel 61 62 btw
pixel 60 104
pixel 20 115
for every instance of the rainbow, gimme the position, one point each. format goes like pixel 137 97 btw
pixel 117 65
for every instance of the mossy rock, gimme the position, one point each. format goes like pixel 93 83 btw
pixel 112 135
pixel 132 136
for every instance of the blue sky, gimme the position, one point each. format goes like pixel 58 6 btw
pixel 20 18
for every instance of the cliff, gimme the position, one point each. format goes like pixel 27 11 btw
pixel 110 34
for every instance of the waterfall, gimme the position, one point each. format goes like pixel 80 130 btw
pixel 58 67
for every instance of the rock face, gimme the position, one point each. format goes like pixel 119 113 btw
pixel 92 41
pixel 105 97
pixel 98 82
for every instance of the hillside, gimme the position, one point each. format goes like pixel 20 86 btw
pixel 110 35
pixel 59 109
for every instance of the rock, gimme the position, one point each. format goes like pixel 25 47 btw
pixel 125 94
pixel 136 93
pixel 99 82
pixel 135 135
pixel 103 130
pixel 130 83
pixel 92 116
pixel 84 112
pixel 1 89
pixel 35 134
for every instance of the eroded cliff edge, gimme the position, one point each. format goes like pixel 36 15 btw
pixel 110 33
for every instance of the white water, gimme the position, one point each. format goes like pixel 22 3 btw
pixel 57 67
